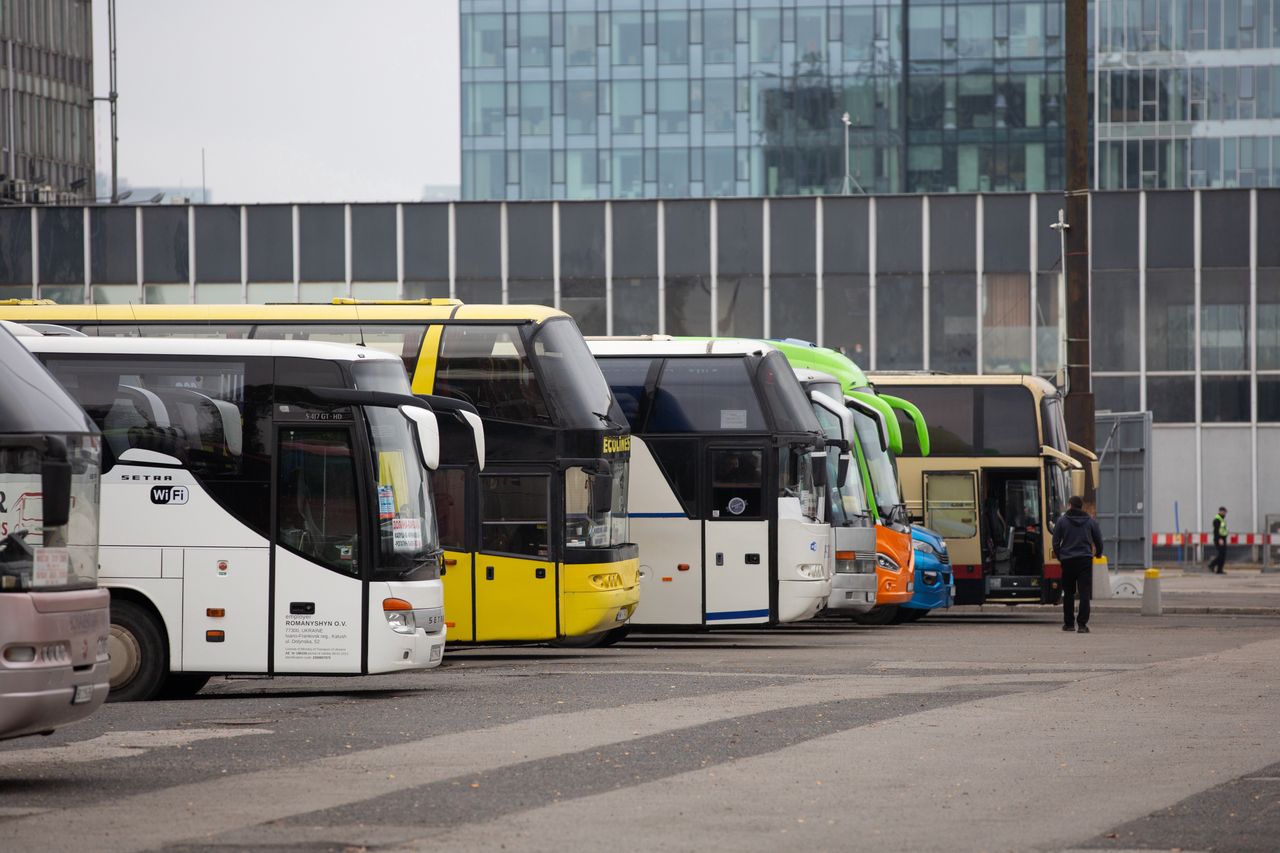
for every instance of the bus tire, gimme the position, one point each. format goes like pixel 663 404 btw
pixel 913 614
pixel 183 685
pixel 615 636
pixel 881 614
pixel 139 659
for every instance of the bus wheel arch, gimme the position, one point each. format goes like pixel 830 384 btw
pixel 138 647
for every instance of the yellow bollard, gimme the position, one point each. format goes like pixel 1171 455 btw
pixel 1151 593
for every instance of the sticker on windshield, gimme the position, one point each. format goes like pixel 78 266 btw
pixel 50 567
pixel 386 502
pixel 737 506
pixel 733 419
pixel 406 535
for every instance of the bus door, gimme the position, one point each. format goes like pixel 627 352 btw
pixel 951 510
pixel 1012 532
pixel 736 553
pixel 516 581
pixel 452 488
pixel 319 606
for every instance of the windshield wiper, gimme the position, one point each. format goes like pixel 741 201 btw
pixel 608 420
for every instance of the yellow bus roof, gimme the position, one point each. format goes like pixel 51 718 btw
pixel 345 311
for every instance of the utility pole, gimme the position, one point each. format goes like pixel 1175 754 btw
pixel 1079 403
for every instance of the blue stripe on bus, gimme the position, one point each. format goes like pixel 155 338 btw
pixel 737 614
pixel 656 515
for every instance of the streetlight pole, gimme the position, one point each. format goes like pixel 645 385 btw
pixel 844 186
pixel 111 96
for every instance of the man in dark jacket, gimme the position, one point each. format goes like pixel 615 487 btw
pixel 1077 539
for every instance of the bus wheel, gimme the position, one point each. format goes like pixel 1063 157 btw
pixel 913 614
pixel 881 614
pixel 609 638
pixel 183 685
pixel 138 658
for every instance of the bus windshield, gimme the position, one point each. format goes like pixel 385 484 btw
pixel 575 384
pixel 406 516
pixel 784 396
pixel 385 376
pixel 846 498
pixel 795 480
pixel 33 556
pixel 884 475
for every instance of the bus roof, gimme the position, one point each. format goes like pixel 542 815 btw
pixel 839 365
pixel 806 375
pixel 210 347
pixel 339 311
pixel 664 345
pixel 1034 383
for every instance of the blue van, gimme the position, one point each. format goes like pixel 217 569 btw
pixel 935 584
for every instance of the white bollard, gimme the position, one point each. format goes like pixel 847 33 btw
pixel 1151 593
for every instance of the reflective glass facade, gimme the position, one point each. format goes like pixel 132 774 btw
pixel 1187 93
pixel 571 99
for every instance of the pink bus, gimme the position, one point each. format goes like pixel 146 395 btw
pixel 54 620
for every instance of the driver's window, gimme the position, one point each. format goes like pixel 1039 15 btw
pixel 317 503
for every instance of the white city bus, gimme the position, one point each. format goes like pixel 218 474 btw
pixel 53 615
pixel 266 508
pixel 728 468
pixel 853 530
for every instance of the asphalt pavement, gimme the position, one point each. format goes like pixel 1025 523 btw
pixel 975 730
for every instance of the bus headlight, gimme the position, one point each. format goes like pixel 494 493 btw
pixel 887 563
pixel 930 578
pixel 812 571
pixel 400 616
pixel 924 547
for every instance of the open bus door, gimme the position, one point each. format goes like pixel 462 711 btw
pixel 951 510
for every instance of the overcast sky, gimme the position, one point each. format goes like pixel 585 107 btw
pixel 292 100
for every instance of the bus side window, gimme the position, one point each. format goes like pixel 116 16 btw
pixel 317 508
pixel 449 486
pixel 514 514
pixel 737 483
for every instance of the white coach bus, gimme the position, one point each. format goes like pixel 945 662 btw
pixel 266 508
pixel 728 474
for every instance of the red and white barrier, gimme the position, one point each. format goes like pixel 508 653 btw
pixel 1168 539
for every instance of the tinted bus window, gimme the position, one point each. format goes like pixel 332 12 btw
pixel 214 416
pixel 705 395
pixel 450 489
pixel 487 367
pixel 783 394
pixel 626 378
pixel 737 483
pixel 1009 422
pixel 514 513
pixel 317 507
pixel 966 420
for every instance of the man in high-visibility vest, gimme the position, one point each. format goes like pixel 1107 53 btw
pixel 1219 541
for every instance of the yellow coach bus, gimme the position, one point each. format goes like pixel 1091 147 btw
pixel 998 476
pixel 536 545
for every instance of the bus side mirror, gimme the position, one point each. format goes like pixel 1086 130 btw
pixel 601 493
pixel 820 469
pixel 55 488
pixel 472 420
pixel 1077 481
pixel 428 430
pixel 842 468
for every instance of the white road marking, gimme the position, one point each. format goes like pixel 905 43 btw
pixel 117 745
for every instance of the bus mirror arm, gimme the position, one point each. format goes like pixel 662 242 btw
pixel 55 485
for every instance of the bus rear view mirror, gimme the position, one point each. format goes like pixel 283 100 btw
pixel 55 488
pixel 477 434
pixel 1077 481
pixel 424 420
pixel 601 493
pixel 842 468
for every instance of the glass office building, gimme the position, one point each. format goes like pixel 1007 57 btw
pixel 573 99
pixel 46 101
pixel 1187 94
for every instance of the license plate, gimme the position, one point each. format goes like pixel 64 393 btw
pixel 84 693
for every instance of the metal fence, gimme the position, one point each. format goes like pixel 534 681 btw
pixel 1123 502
